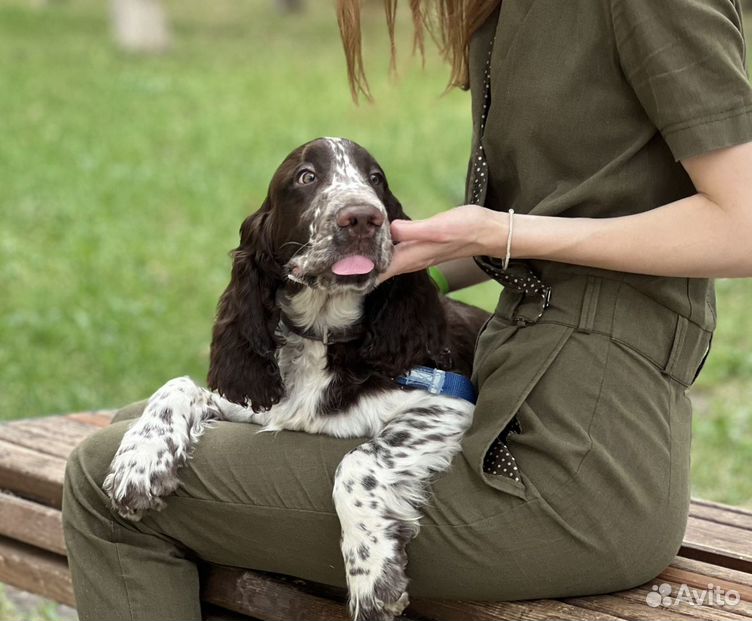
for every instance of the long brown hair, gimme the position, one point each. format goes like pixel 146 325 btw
pixel 450 23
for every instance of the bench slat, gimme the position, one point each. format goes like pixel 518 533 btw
pixel 721 544
pixel 277 598
pixel 536 610
pixel 36 571
pixel 267 597
pixel 94 419
pixel 701 581
pixel 634 611
pixel 44 435
pixel 733 576
pixel 738 517
pixel 708 608
pixel 31 474
pixel 32 523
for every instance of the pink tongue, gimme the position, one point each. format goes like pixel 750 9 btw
pixel 354 264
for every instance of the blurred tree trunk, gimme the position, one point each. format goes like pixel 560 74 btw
pixel 140 25
pixel 289 6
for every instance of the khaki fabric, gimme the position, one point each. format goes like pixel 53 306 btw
pixel 591 515
pixel 592 104
pixel 593 101
pixel 589 112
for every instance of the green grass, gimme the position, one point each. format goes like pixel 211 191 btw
pixel 123 181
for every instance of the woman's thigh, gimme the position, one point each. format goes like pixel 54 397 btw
pixel 264 501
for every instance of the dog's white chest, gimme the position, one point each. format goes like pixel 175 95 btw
pixel 302 364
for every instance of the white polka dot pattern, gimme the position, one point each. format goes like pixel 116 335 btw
pixel 499 461
pixel 521 278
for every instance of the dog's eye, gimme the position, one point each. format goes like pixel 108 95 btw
pixel 376 178
pixel 305 177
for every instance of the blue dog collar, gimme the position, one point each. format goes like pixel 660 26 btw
pixel 439 382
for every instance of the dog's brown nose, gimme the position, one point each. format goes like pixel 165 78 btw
pixel 360 220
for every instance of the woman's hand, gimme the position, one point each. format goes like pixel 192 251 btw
pixel 464 231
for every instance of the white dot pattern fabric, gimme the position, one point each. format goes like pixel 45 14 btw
pixel 498 461
pixel 517 276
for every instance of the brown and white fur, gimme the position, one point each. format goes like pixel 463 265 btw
pixel 297 346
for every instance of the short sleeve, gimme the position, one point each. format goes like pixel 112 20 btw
pixel 685 60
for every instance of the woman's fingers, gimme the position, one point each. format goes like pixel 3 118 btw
pixel 449 235
pixel 412 256
pixel 416 230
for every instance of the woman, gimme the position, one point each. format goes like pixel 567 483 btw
pixel 618 131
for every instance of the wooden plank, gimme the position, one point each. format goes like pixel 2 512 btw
pixel 722 514
pixel 31 474
pixel 713 571
pixel 56 436
pixel 272 598
pixel 32 523
pixel 626 609
pixel 33 570
pixel 533 610
pixel 703 612
pixel 278 598
pixel 720 544
pixel 101 418
pixel 702 581
pixel 213 613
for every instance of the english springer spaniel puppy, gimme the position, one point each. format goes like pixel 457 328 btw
pixel 305 339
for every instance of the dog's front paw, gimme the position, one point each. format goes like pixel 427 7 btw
pixel 381 599
pixel 378 610
pixel 398 607
pixel 140 475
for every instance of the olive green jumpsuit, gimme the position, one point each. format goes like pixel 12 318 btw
pixel 592 104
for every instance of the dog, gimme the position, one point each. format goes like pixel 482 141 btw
pixel 306 339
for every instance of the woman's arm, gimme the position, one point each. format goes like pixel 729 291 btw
pixel 707 235
pixel 461 273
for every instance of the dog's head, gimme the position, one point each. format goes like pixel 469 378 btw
pixel 324 227
pixel 327 216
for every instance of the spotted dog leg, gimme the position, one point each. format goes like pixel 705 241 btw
pixel 379 489
pixel 144 469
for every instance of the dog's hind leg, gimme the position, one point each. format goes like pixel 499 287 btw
pixel 144 469
pixel 379 489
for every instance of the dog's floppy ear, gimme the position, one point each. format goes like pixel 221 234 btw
pixel 242 365
pixel 404 320
pixel 393 207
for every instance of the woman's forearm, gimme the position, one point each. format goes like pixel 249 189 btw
pixel 707 235
pixel 461 273
pixel 692 237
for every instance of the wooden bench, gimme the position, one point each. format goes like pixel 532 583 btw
pixel 717 549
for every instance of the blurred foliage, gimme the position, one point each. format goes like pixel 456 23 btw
pixel 123 180
pixel 40 610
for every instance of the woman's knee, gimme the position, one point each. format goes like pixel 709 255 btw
pixel 131 411
pixel 88 463
pixel 86 469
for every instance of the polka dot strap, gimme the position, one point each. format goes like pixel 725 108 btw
pixel 498 460
pixel 518 276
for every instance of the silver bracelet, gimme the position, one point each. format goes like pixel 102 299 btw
pixel 509 241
